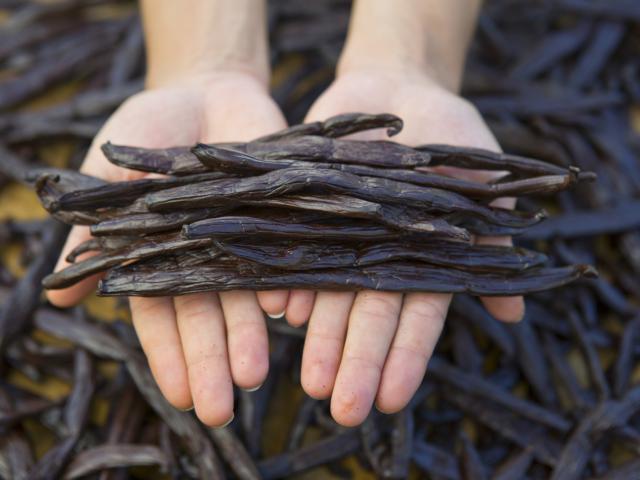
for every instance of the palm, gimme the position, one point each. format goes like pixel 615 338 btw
pixel 374 346
pixel 196 344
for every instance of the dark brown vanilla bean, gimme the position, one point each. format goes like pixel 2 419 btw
pixel 113 456
pixel 396 216
pixel 146 223
pixel 292 227
pixel 392 276
pixel 170 161
pixel 478 158
pixel 101 262
pixel 378 153
pixel 234 161
pixel 339 126
pixel 302 256
pixel 124 193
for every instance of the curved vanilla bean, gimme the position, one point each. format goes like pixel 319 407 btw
pixel 52 183
pixel 482 159
pixel 98 263
pixel 91 245
pixel 107 456
pixel 280 182
pixel 87 216
pixel 339 126
pixel 170 161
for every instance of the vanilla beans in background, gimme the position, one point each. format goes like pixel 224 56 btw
pixel 224 223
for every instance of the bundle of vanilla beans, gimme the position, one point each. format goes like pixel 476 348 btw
pixel 304 208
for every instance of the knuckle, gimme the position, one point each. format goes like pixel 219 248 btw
pixel 361 362
pixel 378 307
pixel 323 338
pixel 196 360
pixel 426 308
pixel 245 327
pixel 416 350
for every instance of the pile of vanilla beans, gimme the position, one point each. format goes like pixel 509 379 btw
pixel 554 396
pixel 303 208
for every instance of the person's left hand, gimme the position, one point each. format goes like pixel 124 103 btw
pixel 199 345
pixel 374 346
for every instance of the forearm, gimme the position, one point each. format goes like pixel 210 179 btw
pixel 412 36
pixel 190 38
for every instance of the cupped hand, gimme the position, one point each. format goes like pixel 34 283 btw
pixel 374 346
pixel 197 345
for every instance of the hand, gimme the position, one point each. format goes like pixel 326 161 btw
pixel 196 344
pixel 374 346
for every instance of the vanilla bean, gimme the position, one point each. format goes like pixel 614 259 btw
pixel 392 276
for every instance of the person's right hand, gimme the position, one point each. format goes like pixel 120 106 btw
pixel 197 345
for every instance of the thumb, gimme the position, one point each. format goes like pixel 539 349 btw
pixel 72 295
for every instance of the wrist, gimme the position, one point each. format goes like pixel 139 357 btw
pixel 418 38
pixel 196 39
pixel 354 63
pixel 210 84
pixel 204 75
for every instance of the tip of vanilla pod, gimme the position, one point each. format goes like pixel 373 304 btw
pixel 587 176
pixel 50 282
pixel 587 271
pixel 541 214
pixel 396 127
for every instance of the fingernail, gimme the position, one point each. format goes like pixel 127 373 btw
pixel 186 409
pixel 252 389
pixel 277 316
pixel 233 415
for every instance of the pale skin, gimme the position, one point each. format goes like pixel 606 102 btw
pixel 211 84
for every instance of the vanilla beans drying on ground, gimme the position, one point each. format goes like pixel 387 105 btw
pixel 303 208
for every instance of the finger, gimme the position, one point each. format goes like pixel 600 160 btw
pixel 324 341
pixel 507 309
pixel 421 321
pixel 72 295
pixel 372 324
pixel 247 338
pixel 155 322
pixel 299 306
pixel 273 302
pixel 202 332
